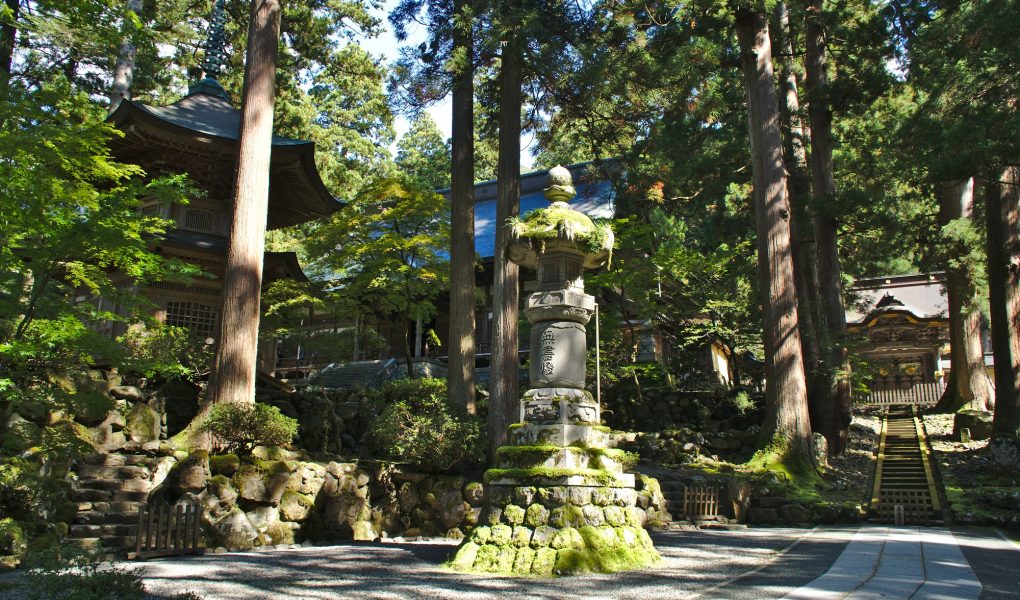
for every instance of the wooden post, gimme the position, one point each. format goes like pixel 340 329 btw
pixel 234 374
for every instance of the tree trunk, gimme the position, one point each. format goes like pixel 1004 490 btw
pixel 800 190
pixel 786 430
pixel 234 372
pixel 462 222
pixel 969 386
pixel 833 388
pixel 123 72
pixel 1003 221
pixel 408 355
pixel 503 388
pixel 8 38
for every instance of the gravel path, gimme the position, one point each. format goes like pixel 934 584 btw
pixel 695 562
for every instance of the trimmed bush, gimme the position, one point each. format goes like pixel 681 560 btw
pixel 417 424
pixel 239 428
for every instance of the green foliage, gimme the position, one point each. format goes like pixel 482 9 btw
pixel 165 352
pixel 29 497
pixel 417 424
pixel 385 253
pixel 70 221
pixel 75 575
pixel 423 153
pixel 239 428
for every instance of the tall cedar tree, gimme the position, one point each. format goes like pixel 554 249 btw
pixel 787 432
pixel 799 188
pixel 461 376
pixel 1002 212
pixel 503 407
pixel 832 388
pixel 233 378
pixel 969 385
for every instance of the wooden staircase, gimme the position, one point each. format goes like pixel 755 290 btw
pixel 905 490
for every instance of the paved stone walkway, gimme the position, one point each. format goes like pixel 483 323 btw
pixel 908 563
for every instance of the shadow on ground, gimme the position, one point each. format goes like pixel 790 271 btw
pixel 693 561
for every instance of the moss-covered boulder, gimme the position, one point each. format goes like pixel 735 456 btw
pixel 13 541
pixel 143 424
pixel 91 408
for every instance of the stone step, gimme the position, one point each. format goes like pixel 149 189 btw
pixel 114 472
pixel 116 460
pixel 81 495
pixel 115 485
pixel 95 517
pixel 102 531
pixel 110 506
pixel 130 496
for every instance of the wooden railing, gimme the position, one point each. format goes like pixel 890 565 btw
pixel 165 530
pixel 917 393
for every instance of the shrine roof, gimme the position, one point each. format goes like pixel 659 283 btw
pixel 206 114
pixel 920 295
pixel 198 135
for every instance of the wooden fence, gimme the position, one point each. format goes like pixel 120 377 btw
pixel 700 502
pixel 917 393
pixel 165 530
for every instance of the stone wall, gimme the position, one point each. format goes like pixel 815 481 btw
pixel 262 501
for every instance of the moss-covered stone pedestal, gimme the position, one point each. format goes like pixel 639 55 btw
pixel 558 501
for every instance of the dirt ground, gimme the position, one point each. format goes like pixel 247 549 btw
pixel 854 469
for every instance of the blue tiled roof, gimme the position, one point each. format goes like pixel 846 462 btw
pixel 595 199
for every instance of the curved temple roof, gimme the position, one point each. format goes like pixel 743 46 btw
pixel 198 135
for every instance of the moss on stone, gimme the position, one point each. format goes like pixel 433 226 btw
pixel 481 534
pixel 536 515
pixel 539 475
pixel 465 557
pixel 779 456
pixel 224 464
pixel 513 514
pixel 544 562
pixel 501 535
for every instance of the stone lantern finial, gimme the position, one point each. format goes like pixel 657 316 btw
pixel 561 185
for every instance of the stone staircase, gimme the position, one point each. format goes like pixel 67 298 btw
pixel 109 491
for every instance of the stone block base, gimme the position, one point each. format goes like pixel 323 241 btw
pixel 557 530
pixel 547 551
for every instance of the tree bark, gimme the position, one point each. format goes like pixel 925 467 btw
pixel 800 189
pixel 1003 222
pixel 234 372
pixel 462 221
pixel 969 386
pixel 8 38
pixel 786 412
pixel 833 388
pixel 503 389
pixel 124 70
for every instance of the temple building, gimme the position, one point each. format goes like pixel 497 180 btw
pixel 198 136
pixel 900 325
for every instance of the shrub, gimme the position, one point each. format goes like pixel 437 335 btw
pixel 79 576
pixel 239 428
pixel 417 424
pixel 165 352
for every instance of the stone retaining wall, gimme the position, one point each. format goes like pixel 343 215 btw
pixel 260 502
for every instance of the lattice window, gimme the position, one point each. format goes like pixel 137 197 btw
pixel 199 318
pixel 197 219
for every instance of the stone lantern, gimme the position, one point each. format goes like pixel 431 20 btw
pixel 558 501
